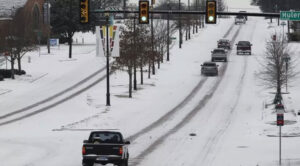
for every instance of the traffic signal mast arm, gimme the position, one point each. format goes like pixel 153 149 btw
pixel 189 12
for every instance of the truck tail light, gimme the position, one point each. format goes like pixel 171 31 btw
pixel 83 150
pixel 121 150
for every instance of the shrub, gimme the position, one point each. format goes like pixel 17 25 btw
pixel 6 73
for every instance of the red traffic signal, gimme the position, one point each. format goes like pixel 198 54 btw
pixel 144 12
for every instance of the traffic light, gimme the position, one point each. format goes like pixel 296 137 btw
pixel 144 12
pixel 84 11
pixel 211 17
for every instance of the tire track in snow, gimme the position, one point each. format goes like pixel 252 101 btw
pixel 45 108
pixel 188 117
pixel 212 143
pixel 176 108
pixel 55 96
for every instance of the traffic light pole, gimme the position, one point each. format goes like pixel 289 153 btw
pixel 189 12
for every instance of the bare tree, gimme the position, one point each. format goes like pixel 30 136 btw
pixel 276 69
pixel 17 39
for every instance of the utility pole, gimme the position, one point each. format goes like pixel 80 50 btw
pixel 168 34
pixel 107 62
pixel 135 56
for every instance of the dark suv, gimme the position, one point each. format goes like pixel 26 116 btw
pixel 209 68
pixel 243 47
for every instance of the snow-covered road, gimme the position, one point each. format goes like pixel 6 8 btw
pixel 225 112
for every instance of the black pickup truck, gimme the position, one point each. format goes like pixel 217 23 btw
pixel 243 47
pixel 105 147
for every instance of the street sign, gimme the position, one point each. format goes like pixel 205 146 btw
pixel 290 15
pixel 280 120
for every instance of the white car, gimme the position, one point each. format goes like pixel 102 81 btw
pixel 240 20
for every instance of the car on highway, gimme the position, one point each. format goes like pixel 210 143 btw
pixel 239 19
pixel 243 47
pixel 219 54
pixel 209 68
pixel 224 43
pixel 105 147
pixel 244 15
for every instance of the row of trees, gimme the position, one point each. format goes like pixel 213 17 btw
pixel 140 50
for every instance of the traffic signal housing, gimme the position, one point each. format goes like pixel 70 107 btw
pixel 144 12
pixel 211 16
pixel 84 11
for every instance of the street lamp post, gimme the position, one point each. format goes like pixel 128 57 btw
pixel 180 35
pixel 107 63
pixel 168 33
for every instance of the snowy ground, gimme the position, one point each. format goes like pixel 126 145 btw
pixel 227 113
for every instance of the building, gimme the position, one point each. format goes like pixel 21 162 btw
pixel 32 9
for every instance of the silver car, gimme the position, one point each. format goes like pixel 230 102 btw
pixel 209 68
pixel 219 54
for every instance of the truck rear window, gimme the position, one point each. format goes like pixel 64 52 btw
pixel 219 51
pixel 209 64
pixel 244 43
pixel 106 138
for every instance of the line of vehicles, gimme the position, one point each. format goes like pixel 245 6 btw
pixel 221 54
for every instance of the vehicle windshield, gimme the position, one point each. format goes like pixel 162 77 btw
pixel 240 17
pixel 209 64
pixel 244 43
pixel 223 42
pixel 105 137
